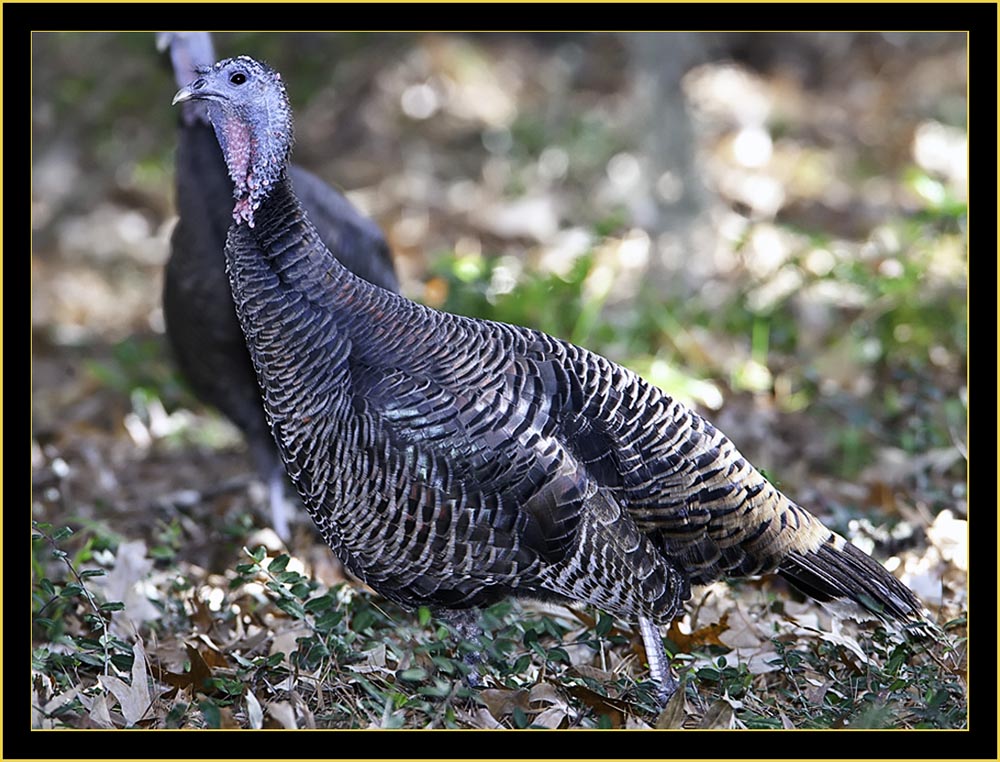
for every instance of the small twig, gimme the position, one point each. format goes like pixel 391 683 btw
pixel 382 611
pixel 935 658
pixel 90 598
pixel 696 610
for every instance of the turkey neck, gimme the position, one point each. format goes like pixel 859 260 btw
pixel 284 279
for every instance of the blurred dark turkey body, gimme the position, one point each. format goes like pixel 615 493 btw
pixel 201 322
pixel 451 462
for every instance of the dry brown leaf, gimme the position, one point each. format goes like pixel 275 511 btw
pixel 482 718
pixel 374 661
pixel 308 719
pixel 125 583
pixel 98 713
pixel 288 684
pixel 746 631
pixel 134 699
pixel 255 713
pixel 804 617
pixel 227 720
pixel 634 723
pixel 674 713
pixel 578 653
pixel 839 635
pixel 200 670
pixel 501 701
pixel 719 715
pixel 38 720
pixel 589 621
pixel 703 636
pixel 551 718
pixel 594 673
pixel 546 692
pixel 254 636
pixel 194 678
pixel 44 718
pixel 286 641
pixel 284 714
pixel 584 616
pixel 761 662
pixel 817 692
pixel 213 655
pixel 202 618
pixel 614 709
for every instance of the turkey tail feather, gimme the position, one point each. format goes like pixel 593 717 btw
pixel 838 570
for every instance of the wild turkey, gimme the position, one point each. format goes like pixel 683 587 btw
pixel 450 462
pixel 201 322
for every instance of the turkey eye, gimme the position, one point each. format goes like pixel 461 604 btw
pixel 238 78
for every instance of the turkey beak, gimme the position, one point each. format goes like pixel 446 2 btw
pixel 197 90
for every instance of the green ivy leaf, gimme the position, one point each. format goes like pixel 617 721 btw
pixel 210 712
pixel 291 607
pixel 412 675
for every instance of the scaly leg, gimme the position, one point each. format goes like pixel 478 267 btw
pixel 466 624
pixel 279 507
pixel 656 655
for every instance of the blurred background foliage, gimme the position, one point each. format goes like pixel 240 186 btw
pixel 771 227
